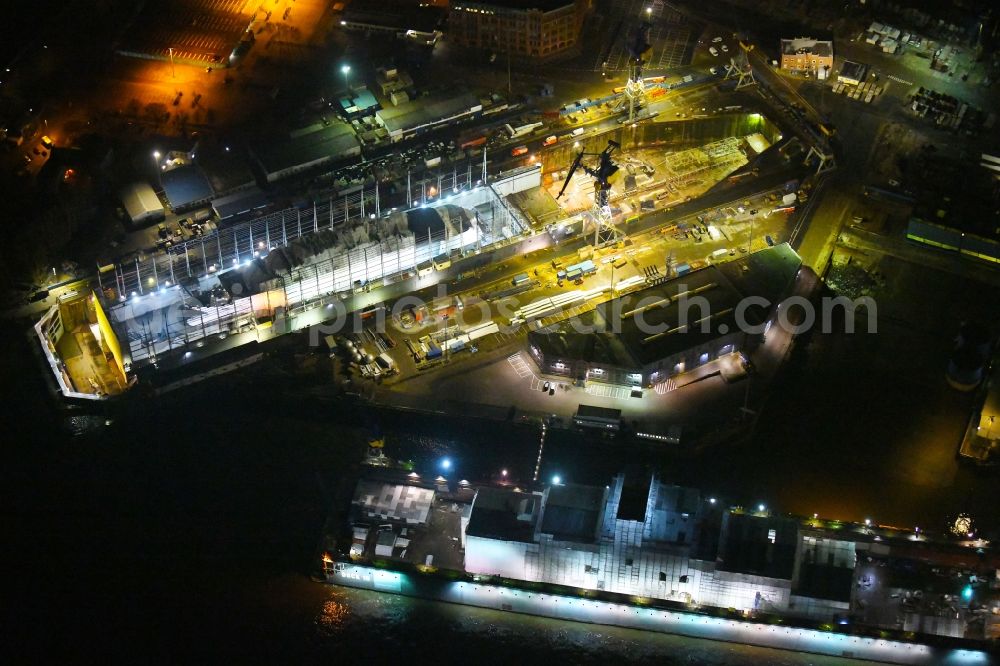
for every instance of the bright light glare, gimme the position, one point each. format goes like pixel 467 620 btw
pixel 446 463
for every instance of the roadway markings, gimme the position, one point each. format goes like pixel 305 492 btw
pixel 520 366
pixel 609 391
pixel 665 387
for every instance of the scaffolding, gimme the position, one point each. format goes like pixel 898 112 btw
pixel 723 156
pixel 159 301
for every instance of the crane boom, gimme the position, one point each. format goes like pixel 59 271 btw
pixel 572 170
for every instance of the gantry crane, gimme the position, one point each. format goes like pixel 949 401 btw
pixel 638 47
pixel 604 175
pixel 739 67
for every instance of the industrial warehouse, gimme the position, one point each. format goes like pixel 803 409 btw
pixel 653 543
pixel 286 264
pixel 667 329
pixel 641 536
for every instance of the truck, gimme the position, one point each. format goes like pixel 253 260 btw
pixel 789 199
pixel 580 270
pixel 736 177
pixel 433 351
pixel 472 142
pixel 521 130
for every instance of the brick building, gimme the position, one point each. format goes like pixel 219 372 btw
pixel 525 28
pixel 804 54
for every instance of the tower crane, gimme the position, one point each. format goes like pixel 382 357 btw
pixel 604 175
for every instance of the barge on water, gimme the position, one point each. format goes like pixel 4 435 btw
pixel 636 613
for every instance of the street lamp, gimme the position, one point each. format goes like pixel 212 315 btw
pixel 173 71
pixel 346 70
pixel 156 157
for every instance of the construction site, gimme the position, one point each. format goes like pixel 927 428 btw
pixel 659 165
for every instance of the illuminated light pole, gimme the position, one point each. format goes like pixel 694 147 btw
pixel 156 158
pixel 173 71
pixel 346 71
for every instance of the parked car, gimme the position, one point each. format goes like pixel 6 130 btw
pixel 714 51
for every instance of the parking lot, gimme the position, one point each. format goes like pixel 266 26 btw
pixel 199 31
pixel 671 35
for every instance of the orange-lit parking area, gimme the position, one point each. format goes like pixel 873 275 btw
pixel 146 91
pixel 193 31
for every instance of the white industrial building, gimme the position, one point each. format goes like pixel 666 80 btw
pixel 141 204
pixel 294 259
pixel 409 119
pixel 641 536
